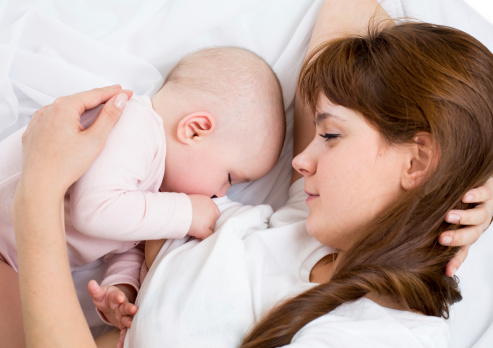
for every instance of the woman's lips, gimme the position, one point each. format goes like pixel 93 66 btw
pixel 311 196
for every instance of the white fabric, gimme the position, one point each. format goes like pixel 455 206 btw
pixel 364 324
pixel 245 269
pixel 50 48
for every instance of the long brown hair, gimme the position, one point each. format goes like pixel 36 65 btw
pixel 404 79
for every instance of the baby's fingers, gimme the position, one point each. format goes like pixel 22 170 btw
pixel 127 322
pixel 97 293
pixel 116 298
pixel 122 338
pixel 128 309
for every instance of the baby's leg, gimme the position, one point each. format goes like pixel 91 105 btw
pixel 11 329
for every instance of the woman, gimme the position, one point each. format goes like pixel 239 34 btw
pixel 27 220
pixel 425 91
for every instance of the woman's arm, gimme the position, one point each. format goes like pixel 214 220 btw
pixel 337 18
pixel 56 152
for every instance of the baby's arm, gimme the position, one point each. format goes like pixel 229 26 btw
pixel 115 297
pixel 113 199
pixel 115 302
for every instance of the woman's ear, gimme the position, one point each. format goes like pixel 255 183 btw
pixel 423 157
pixel 195 126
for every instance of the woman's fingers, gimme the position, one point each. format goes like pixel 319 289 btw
pixel 55 136
pixel 479 194
pixel 461 237
pixel 454 264
pixel 475 220
pixel 107 118
pixel 479 216
pixel 94 97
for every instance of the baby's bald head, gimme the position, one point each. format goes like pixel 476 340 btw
pixel 243 94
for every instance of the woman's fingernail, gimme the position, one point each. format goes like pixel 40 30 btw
pixel 121 100
pixel 447 240
pixel 468 198
pixel 453 218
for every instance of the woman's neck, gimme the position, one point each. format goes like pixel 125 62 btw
pixel 324 268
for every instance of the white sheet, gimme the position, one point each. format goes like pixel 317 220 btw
pixel 50 48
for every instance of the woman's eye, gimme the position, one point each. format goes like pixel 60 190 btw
pixel 329 136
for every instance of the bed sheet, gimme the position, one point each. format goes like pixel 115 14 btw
pixel 50 48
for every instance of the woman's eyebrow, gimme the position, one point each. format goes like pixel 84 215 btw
pixel 320 116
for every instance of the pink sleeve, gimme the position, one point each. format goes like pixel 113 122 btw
pixel 112 200
pixel 123 268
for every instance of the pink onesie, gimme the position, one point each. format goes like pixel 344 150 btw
pixel 116 203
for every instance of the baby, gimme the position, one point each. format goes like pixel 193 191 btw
pixel 218 120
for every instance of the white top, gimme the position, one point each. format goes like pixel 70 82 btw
pixel 208 294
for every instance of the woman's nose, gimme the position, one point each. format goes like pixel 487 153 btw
pixel 304 163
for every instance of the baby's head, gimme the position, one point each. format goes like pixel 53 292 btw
pixel 224 120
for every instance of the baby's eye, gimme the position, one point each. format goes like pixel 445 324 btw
pixel 330 136
pixel 229 179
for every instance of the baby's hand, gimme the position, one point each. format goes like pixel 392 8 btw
pixel 204 216
pixel 113 303
pixel 121 340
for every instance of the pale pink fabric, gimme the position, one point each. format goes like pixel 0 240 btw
pixel 116 204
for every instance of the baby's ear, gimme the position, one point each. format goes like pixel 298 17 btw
pixel 423 158
pixel 195 126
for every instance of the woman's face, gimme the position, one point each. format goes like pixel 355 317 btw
pixel 350 174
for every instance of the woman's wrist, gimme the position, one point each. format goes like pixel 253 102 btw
pixel 36 188
pixel 34 202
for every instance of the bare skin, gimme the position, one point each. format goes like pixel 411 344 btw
pixel 11 330
pixel 50 308
pixel 58 319
pixel 152 249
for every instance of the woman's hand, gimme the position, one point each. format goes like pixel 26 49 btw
pixel 476 221
pixel 56 152
pixel 56 149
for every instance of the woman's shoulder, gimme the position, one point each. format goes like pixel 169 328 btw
pixel 363 323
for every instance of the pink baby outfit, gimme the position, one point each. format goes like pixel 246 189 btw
pixel 116 203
